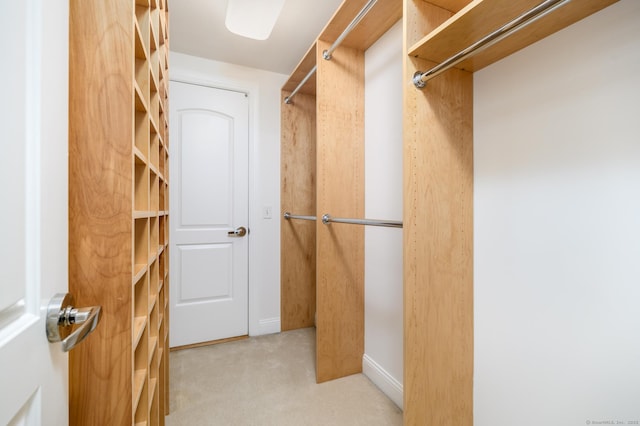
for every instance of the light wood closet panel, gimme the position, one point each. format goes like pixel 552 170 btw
pixel 438 193
pixel 298 196
pixel 334 101
pixel 118 209
pixel 438 247
pixel 340 192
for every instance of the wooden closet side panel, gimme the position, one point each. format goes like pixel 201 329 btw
pixel 298 196
pixel 438 243
pixel 340 247
pixel 100 204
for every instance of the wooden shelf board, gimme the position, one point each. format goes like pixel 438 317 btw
pixel 154 169
pixel 139 377
pixel 152 389
pixel 139 156
pixel 144 3
pixel 140 103
pixel 138 329
pixel 153 343
pixel 382 16
pixel 481 17
pixel 154 126
pixel 301 71
pixel 142 214
pixel 152 301
pixel 139 271
pixel 140 50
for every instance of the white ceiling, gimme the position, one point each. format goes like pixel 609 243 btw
pixel 197 28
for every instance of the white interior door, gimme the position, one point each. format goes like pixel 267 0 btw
pixel 209 207
pixel 33 216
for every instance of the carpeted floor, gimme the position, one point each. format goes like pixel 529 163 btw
pixel 269 381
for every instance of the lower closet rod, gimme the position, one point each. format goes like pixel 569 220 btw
pixel 288 215
pixel 326 219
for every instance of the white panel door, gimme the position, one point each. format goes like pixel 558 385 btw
pixel 209 203
pixel 33 213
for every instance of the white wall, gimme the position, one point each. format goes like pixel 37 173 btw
pixel 264 180
pixel 557 228
pixel 383 358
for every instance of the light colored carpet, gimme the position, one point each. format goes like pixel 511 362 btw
pixel 269 381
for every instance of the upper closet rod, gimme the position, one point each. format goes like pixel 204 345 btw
pixel 327 53
pixel 288 215
pixel 326 219
pixel 420 78
pixel 287 100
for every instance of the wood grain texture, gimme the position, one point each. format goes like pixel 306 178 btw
pixel 300 72
pixel 438 249
pixel 378 20
pixel 438 253
pixel 100 207
pixel 481 17
pixel 340 192
pixel 298 196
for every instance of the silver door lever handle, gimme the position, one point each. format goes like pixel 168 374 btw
pixel 238 232
pixel 61 315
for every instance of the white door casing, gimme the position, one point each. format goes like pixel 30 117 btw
pixel 34 212
pixel 209 200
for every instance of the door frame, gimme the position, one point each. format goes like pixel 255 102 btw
pixel 251 90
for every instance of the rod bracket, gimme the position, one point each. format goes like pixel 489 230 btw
pixel 326 218
pixel 417 80
pixel 326 55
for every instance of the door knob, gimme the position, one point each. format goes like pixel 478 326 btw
pixel 61 315
pixel 238 232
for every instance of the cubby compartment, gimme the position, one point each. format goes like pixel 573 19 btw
pixel 154 183
pixel 154 107
pixel 141 242
pixel 142 133
pixel 161 233
pixel 154 232
pixel 141 185
pixel 140 306
pixel 141 416
pixel 154 149
pixel 153 317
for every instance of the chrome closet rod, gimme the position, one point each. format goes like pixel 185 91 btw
pixel 363 12
pixel 287 100
pixel 327 53
pixel 326 219
pixel 288 215
pixel 420 78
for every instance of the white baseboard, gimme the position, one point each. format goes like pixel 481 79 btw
pixel 379 376
pixel 269 326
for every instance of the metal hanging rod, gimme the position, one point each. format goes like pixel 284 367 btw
pixel 327 53
pixel 287 100
pixel 326 219
pixel 420 78
pixel 288 216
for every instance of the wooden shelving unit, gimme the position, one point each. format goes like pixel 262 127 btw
pixel 119 209
pixel 322 270
pixel 438 190
pixel 438 193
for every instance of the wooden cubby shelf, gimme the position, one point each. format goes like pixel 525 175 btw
pixel 120 105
